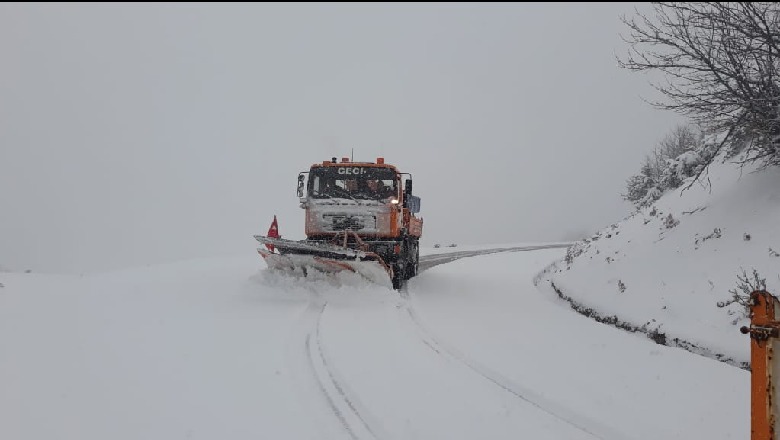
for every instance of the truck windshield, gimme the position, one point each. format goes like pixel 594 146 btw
pixel 352 182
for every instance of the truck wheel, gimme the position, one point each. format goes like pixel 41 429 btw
pixel 398 276
pixel 413 264
pixel 417 261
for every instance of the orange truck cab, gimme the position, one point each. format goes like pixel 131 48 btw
pixel 370 204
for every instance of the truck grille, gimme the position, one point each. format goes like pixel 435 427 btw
pixel 342 222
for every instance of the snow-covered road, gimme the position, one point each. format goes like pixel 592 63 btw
pixel 223 349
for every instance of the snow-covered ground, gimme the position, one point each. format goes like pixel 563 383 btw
pixel 222 348
pixel 665 269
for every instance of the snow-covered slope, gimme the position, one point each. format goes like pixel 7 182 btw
pixel 665 269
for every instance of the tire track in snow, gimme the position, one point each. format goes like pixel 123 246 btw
pixel 432 260
pixel 565 415
pixel 352 417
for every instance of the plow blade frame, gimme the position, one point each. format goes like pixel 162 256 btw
pixel 301 256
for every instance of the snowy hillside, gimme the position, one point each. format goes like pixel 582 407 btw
pixel 223 349
pixel 664 270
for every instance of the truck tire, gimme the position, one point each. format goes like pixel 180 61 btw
pixel 399 270
pixel 414 263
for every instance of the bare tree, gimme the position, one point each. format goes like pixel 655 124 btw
pixel 681 139
pixel 720 62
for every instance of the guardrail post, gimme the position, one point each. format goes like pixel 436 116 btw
pixel 764 331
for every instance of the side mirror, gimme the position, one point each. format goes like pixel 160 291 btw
pixel 408 186
pixel 413 203
pixel 300 185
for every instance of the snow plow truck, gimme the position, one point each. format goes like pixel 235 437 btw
pixel 361 217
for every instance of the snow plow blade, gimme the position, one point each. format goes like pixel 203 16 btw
pixel 302 257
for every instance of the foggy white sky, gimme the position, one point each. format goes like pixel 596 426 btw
pixel 140 133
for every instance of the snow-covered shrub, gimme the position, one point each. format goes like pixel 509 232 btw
pixel 574 251
pixel 680 168
pixel 652 195
pixel 637 188
pixel 741 294
pixel 670 221
pixel 680 155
